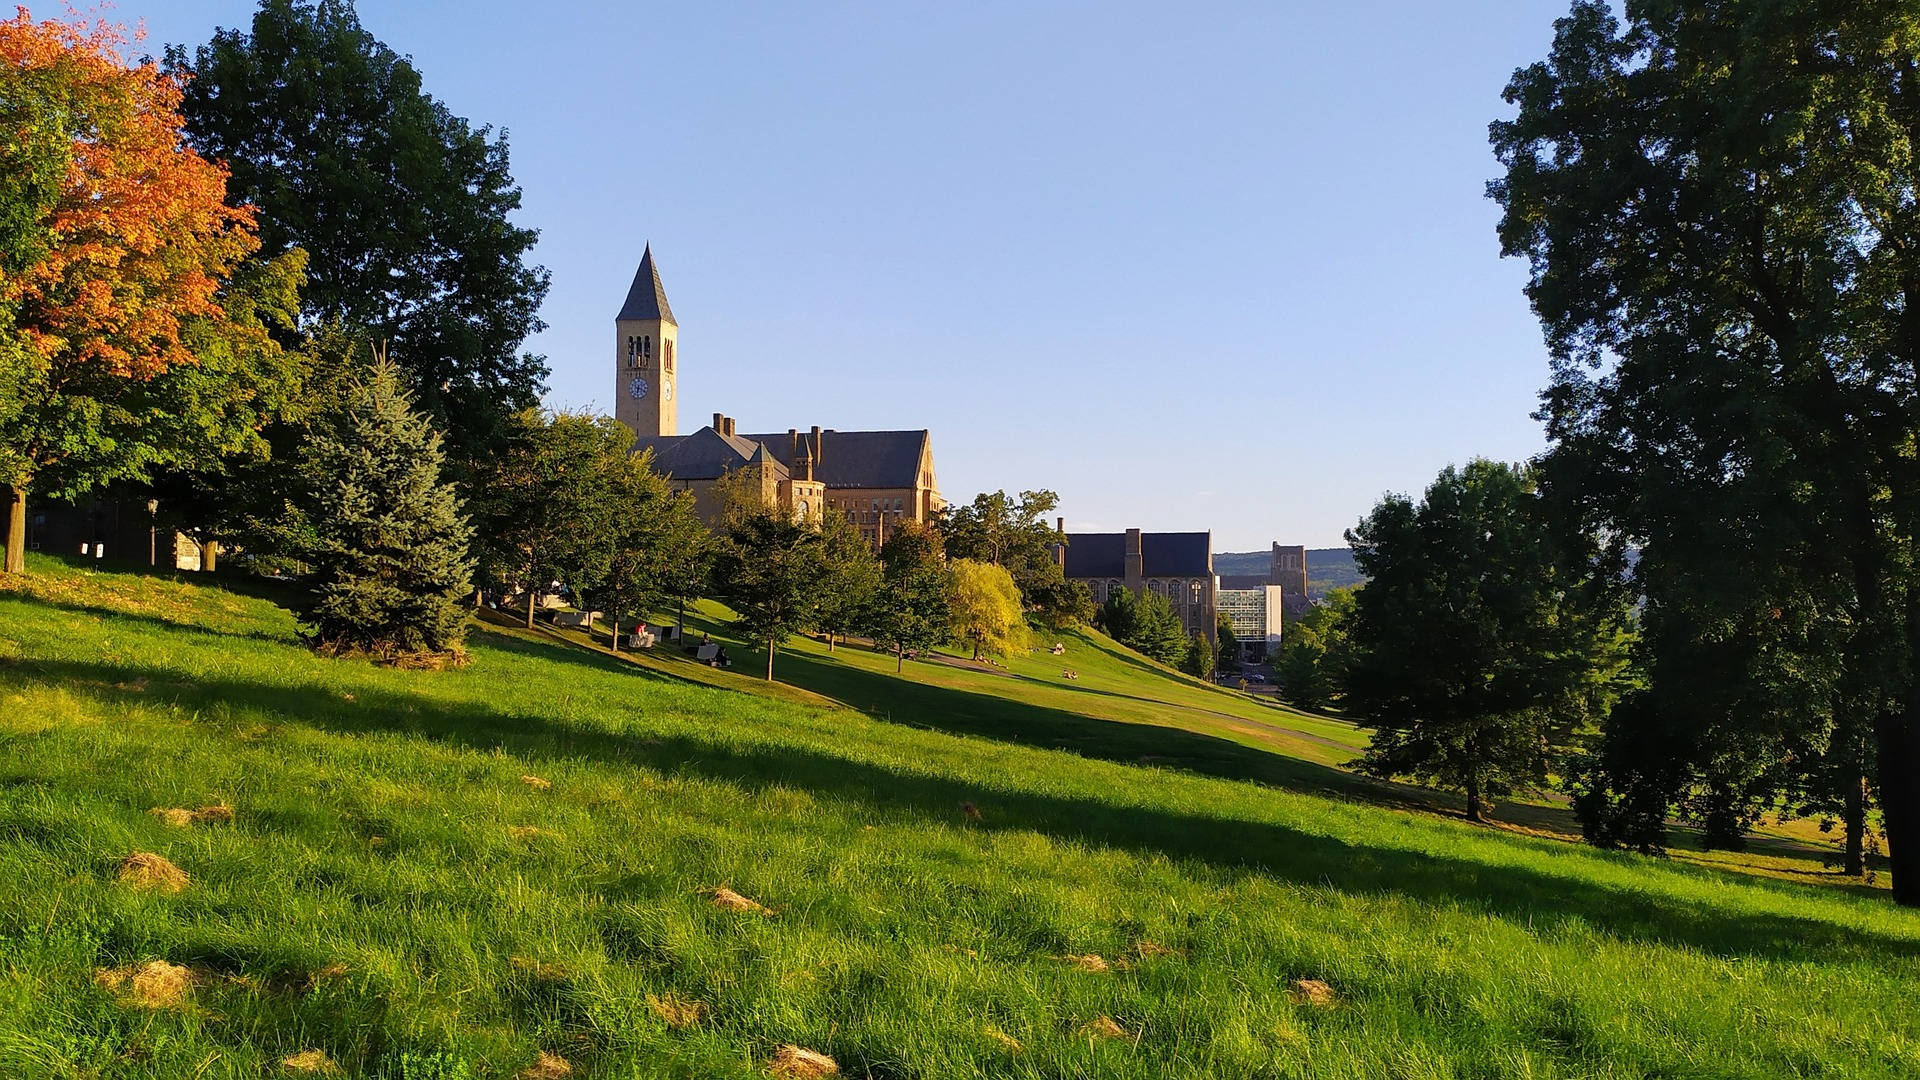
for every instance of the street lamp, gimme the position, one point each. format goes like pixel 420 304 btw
pixel 153 533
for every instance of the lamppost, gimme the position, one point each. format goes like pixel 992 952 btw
pixel 153 533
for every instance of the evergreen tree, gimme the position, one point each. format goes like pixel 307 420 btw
pixel 911 613
pixel 389 555
pixel 1301 669
pixel 1481 647
pixel 1145 623
pixel 1199 658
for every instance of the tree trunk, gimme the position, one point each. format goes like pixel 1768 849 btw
pixel 1474 809
pixel 1897 754
pixel 17 531
pixel 769 659
pixel 530 596
pixel 615 624
pixel 210 556
pixel 829 641
pixel 1856 827
pixel 899 658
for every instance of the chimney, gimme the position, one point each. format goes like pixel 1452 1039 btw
pixel 1060 526
pixel 1136 564
pixel 793 442
pixel 728 420
pixel 819 453
pixel 720 423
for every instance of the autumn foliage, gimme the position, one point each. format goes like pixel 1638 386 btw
pixel 138 236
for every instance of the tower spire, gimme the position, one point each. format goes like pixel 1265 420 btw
pixel 647 298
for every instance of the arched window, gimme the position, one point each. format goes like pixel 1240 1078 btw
pixel 1195 592
pixel 1113 586
pixel 806 510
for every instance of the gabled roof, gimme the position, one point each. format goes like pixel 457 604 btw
pixel 857 459
pixel 1104 555
pixel 704 455
pixel 647 299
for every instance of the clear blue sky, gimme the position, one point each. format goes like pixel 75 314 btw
pixel 1222 267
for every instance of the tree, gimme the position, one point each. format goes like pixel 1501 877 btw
pixel 403 207
pixel 546 504
pixel 118 250
pixel 1302 671
pixel 1717 205
pixel 1480 646
pixel 911 612
pixel 845 594
pixel 1014 534
pixel 1199 658
pixel 652 531
pixel 1229 647
pixel 985 609
pixel 1313 651
pixel 390 556
pixel 767 570
pixel 1145 623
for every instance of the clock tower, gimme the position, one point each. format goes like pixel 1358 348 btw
pixel 645 371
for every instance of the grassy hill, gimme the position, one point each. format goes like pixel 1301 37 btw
pixel 442 875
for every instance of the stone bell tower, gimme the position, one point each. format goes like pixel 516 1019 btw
pixel 644 374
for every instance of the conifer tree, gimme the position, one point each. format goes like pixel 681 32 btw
pixel 390 560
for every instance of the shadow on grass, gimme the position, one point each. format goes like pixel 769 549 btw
pixel 1542 900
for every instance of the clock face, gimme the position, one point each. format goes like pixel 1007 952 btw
pixel 637 389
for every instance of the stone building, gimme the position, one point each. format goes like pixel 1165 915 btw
pixel 1177 566
pixel 878 479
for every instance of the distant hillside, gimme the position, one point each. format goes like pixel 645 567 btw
pixel 1327 568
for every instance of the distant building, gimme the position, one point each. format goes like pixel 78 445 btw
pixel 876 478
pixel 1256 612
pixel 1177 566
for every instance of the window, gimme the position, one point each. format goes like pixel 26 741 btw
pixel 666 350
pixel 1195 592
pixel 806 510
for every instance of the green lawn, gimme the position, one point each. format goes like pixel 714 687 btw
pixel 392 894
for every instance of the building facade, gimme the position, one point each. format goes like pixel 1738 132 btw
pixel 1177 566
pixel 1257 615
pixel 877 479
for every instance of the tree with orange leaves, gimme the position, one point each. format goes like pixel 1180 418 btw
pixel 125 342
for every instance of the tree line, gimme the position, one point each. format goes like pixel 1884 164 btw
pixel 1702 602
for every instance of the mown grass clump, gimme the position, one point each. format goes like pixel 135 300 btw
pixel 376 905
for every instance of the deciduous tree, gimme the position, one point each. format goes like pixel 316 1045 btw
pixel 1718 204
pixel 118 248
pixel 911 613
pixel 767 570
pixel 403 207
pixel 985 609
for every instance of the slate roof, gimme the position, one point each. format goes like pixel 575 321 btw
pixel 1244 581
pixel 646 299
pixel 1104 555
pixel 857 459
pixel 704 455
